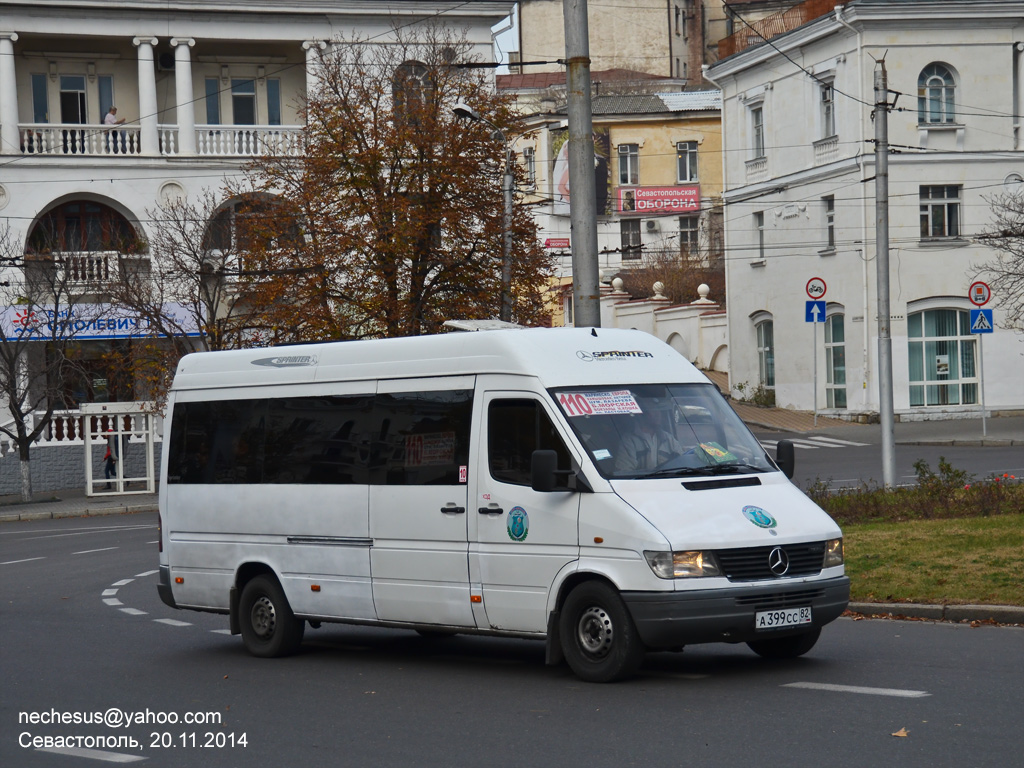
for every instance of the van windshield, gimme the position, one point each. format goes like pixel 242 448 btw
pixel 661 430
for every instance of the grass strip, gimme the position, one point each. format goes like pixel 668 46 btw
pixel 942 561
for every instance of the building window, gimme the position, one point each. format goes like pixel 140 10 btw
pixel 72 99
pixel 212 101
pixel 688 232
pixel 936 91
pixel 766 353
pixel 759 228
pixel 82 226
pixel 530 164
pixel 243 102
pixel 629 164
pixel 273 101
pixel 757 130
pixel 941 353
pixel 835 362
pixel 40 105
pixel 686 161
pixel 829 204
pixel 412 89
pixel 828 110
pixel 940 211
pixel 630 239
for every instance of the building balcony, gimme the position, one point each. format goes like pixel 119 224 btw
pixel 826 150
pixel 210 140
pixel 757 170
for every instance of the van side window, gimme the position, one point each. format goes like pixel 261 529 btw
pixel 421 438
pixel 515 429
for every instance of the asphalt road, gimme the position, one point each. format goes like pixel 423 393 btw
pixel 847 461
pixel 83 632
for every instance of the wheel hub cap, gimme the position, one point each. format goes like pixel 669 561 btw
pixel 595 632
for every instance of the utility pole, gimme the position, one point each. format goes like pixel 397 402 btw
pixel 885 407
pixel 582 203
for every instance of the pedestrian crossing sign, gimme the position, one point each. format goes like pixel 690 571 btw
pixel 981 321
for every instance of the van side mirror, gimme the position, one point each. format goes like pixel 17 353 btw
pixel 543 466
pixel 545 476
pixel 785 458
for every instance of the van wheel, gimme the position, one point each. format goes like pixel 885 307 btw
pixel 269 628
pixel 599 639
pixel 786 647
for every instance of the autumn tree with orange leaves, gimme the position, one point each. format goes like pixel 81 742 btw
pixel 398 201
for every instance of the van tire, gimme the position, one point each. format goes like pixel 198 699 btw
pixel 599 639
pixel 269 628
pixel 786 647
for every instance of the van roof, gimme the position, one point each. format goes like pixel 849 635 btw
pixel 556 356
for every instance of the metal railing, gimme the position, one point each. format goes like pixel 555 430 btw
pixel 747 36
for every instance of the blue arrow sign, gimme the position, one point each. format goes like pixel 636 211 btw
pixel 981 321
pixel 815 312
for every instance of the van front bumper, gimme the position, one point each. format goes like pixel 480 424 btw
pixel 674 619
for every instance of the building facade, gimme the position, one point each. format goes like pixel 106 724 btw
pixel 799 192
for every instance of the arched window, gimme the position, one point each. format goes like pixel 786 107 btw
pixel 412 88
pixel 80 226
pixel 835 362
pixel 766 353
pixel 936 89
pixel 253 224
pixel 941 352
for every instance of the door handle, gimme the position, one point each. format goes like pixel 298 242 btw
pixel 452 509
pixel 491 510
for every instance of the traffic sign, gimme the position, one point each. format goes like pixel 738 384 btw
pixel 816 288
pixel 814 312
pixel 981 321
pixel 979 293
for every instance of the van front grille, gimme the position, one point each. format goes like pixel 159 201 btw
pixel 772 601
pixel 753 563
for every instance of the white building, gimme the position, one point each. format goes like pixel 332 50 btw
pixel 799 175
pixel 201 86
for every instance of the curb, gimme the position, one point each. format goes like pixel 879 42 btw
pixel 999 614
pixel 126 509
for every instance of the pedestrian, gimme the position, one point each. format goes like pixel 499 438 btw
pixel 112 119
pixel 110 461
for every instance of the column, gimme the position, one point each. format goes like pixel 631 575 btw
pixel 186 110
pixel 148 140
pixel 10 142
pixel 1019 125
pixel 314 50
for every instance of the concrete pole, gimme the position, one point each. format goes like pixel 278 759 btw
pixel 507 186
pixel 582 198
pixel 885 406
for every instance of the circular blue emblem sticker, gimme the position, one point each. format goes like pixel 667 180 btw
pixel 758 517
pixel 518 524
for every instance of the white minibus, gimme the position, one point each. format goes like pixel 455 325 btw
pixel 586 487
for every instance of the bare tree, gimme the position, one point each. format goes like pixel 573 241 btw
pixel 44 309
pixel 679 270
pixel 1005 271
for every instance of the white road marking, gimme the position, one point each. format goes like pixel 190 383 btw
pixel 173 622
pixel 112 601
pixel 221 631
pixel 900 692
pixel 109 592
pixel 81 532
pixel 122 582
pixel 93 754
pixel 836 440
pixel 144 574
pixel 90 551
pixel 153 542
pixel 26 560
pixel 133 611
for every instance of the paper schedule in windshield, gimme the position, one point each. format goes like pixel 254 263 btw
pixel 598 403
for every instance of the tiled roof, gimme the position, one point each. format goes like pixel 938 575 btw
pixel 548 79
pixel 638 104
pixel 687 101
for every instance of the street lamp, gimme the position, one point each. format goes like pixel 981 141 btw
pixel 466 112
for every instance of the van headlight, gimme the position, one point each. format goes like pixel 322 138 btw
pixel 833 553
pixel 681 565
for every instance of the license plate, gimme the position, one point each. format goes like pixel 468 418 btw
pixel 790 617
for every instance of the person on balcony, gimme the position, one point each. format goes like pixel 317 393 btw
pixel 112 119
